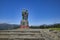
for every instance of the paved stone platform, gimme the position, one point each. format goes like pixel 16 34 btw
pixel 29 34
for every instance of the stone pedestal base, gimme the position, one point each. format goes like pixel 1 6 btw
pixel 24 26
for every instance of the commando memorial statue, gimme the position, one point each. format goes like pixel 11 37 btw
pixel 24 22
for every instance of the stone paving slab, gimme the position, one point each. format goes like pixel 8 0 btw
pixel 38 34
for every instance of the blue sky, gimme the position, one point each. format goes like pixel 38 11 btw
pixel 40 11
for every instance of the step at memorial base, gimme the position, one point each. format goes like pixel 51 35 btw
pixel 21 34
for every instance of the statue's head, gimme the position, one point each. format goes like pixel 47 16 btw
pixel 24 11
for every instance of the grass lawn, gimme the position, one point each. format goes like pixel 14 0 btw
pixel 55 29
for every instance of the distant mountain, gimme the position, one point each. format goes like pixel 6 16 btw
pixel 56 25
pixel 5 26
